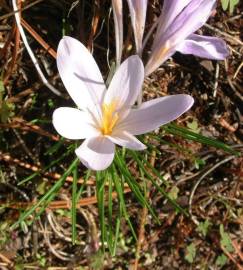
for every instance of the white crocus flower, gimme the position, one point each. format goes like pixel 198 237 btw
pixel 105 117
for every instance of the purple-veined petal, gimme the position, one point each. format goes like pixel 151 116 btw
pixel 126 83
pixel 155 113
pixel 125 139
pixel 79 73
pixel 158 56
pixel 118 20
pixel 73 124
pixel 170 10
pixel 205 47
pixel 96 153
pixel 138 9
pixel 190 19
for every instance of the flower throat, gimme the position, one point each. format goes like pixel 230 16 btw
pixel 109 118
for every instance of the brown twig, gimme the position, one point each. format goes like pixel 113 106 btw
pixel 17 97
pixel 3 51
pixel 62 204
pixel 14 55
pixel 10 14
pixel 19 123
pixel 226 35
pixel 240 267
pixel 7 158
pixel 95 22
pixel 5 259
pixel 38 38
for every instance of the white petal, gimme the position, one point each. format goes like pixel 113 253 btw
pixel 155 113
pixel 126 83
pixel 96 153
pixel 73 124
pixel 79 73
pixel 127 140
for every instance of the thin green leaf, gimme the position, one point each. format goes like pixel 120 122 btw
pixel 119 190
pixel 110 206
pixel 138 159
pixel 100 182
pixel 83 184
pixel 133 184
pixel 45 168
pixel 74 204
pixel 50 194
pixel 187 134
pixel 118 224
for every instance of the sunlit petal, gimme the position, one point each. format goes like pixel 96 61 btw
pixel 126 84
pixel 186 22
pixel 204 46
pixel 127 140
pixel 191 18
pixel 79 73
pixel 96 153
pixel 73 124
pixel 170 10
pixel 158 56
pixel 155 113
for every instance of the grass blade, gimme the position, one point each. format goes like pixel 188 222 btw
pixel 187 134
pixel 51 193
pixel 74 204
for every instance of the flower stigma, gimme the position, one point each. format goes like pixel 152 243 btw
pixel 109 117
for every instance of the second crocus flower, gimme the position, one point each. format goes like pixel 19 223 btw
pixel 178 21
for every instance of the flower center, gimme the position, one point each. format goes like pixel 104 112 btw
pixel 109 117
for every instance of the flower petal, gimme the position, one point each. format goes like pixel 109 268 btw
pixel 127 140
pixel 170 10
pixel 79 73
pixel 205 47
pixel 96 153
pixel 73 124
pixel 138 10
pixel 126 83
pixel 158 56
pixel 190 19
pixel 118 20
pixel 155 113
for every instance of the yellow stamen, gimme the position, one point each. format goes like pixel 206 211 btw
pixel 109 118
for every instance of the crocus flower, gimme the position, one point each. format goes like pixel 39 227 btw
pixel 178 21
pixel 105 117
pixel 138 10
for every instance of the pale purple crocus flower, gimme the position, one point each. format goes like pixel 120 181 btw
pixel 177 23
pixel 138 9
pixel 105 117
